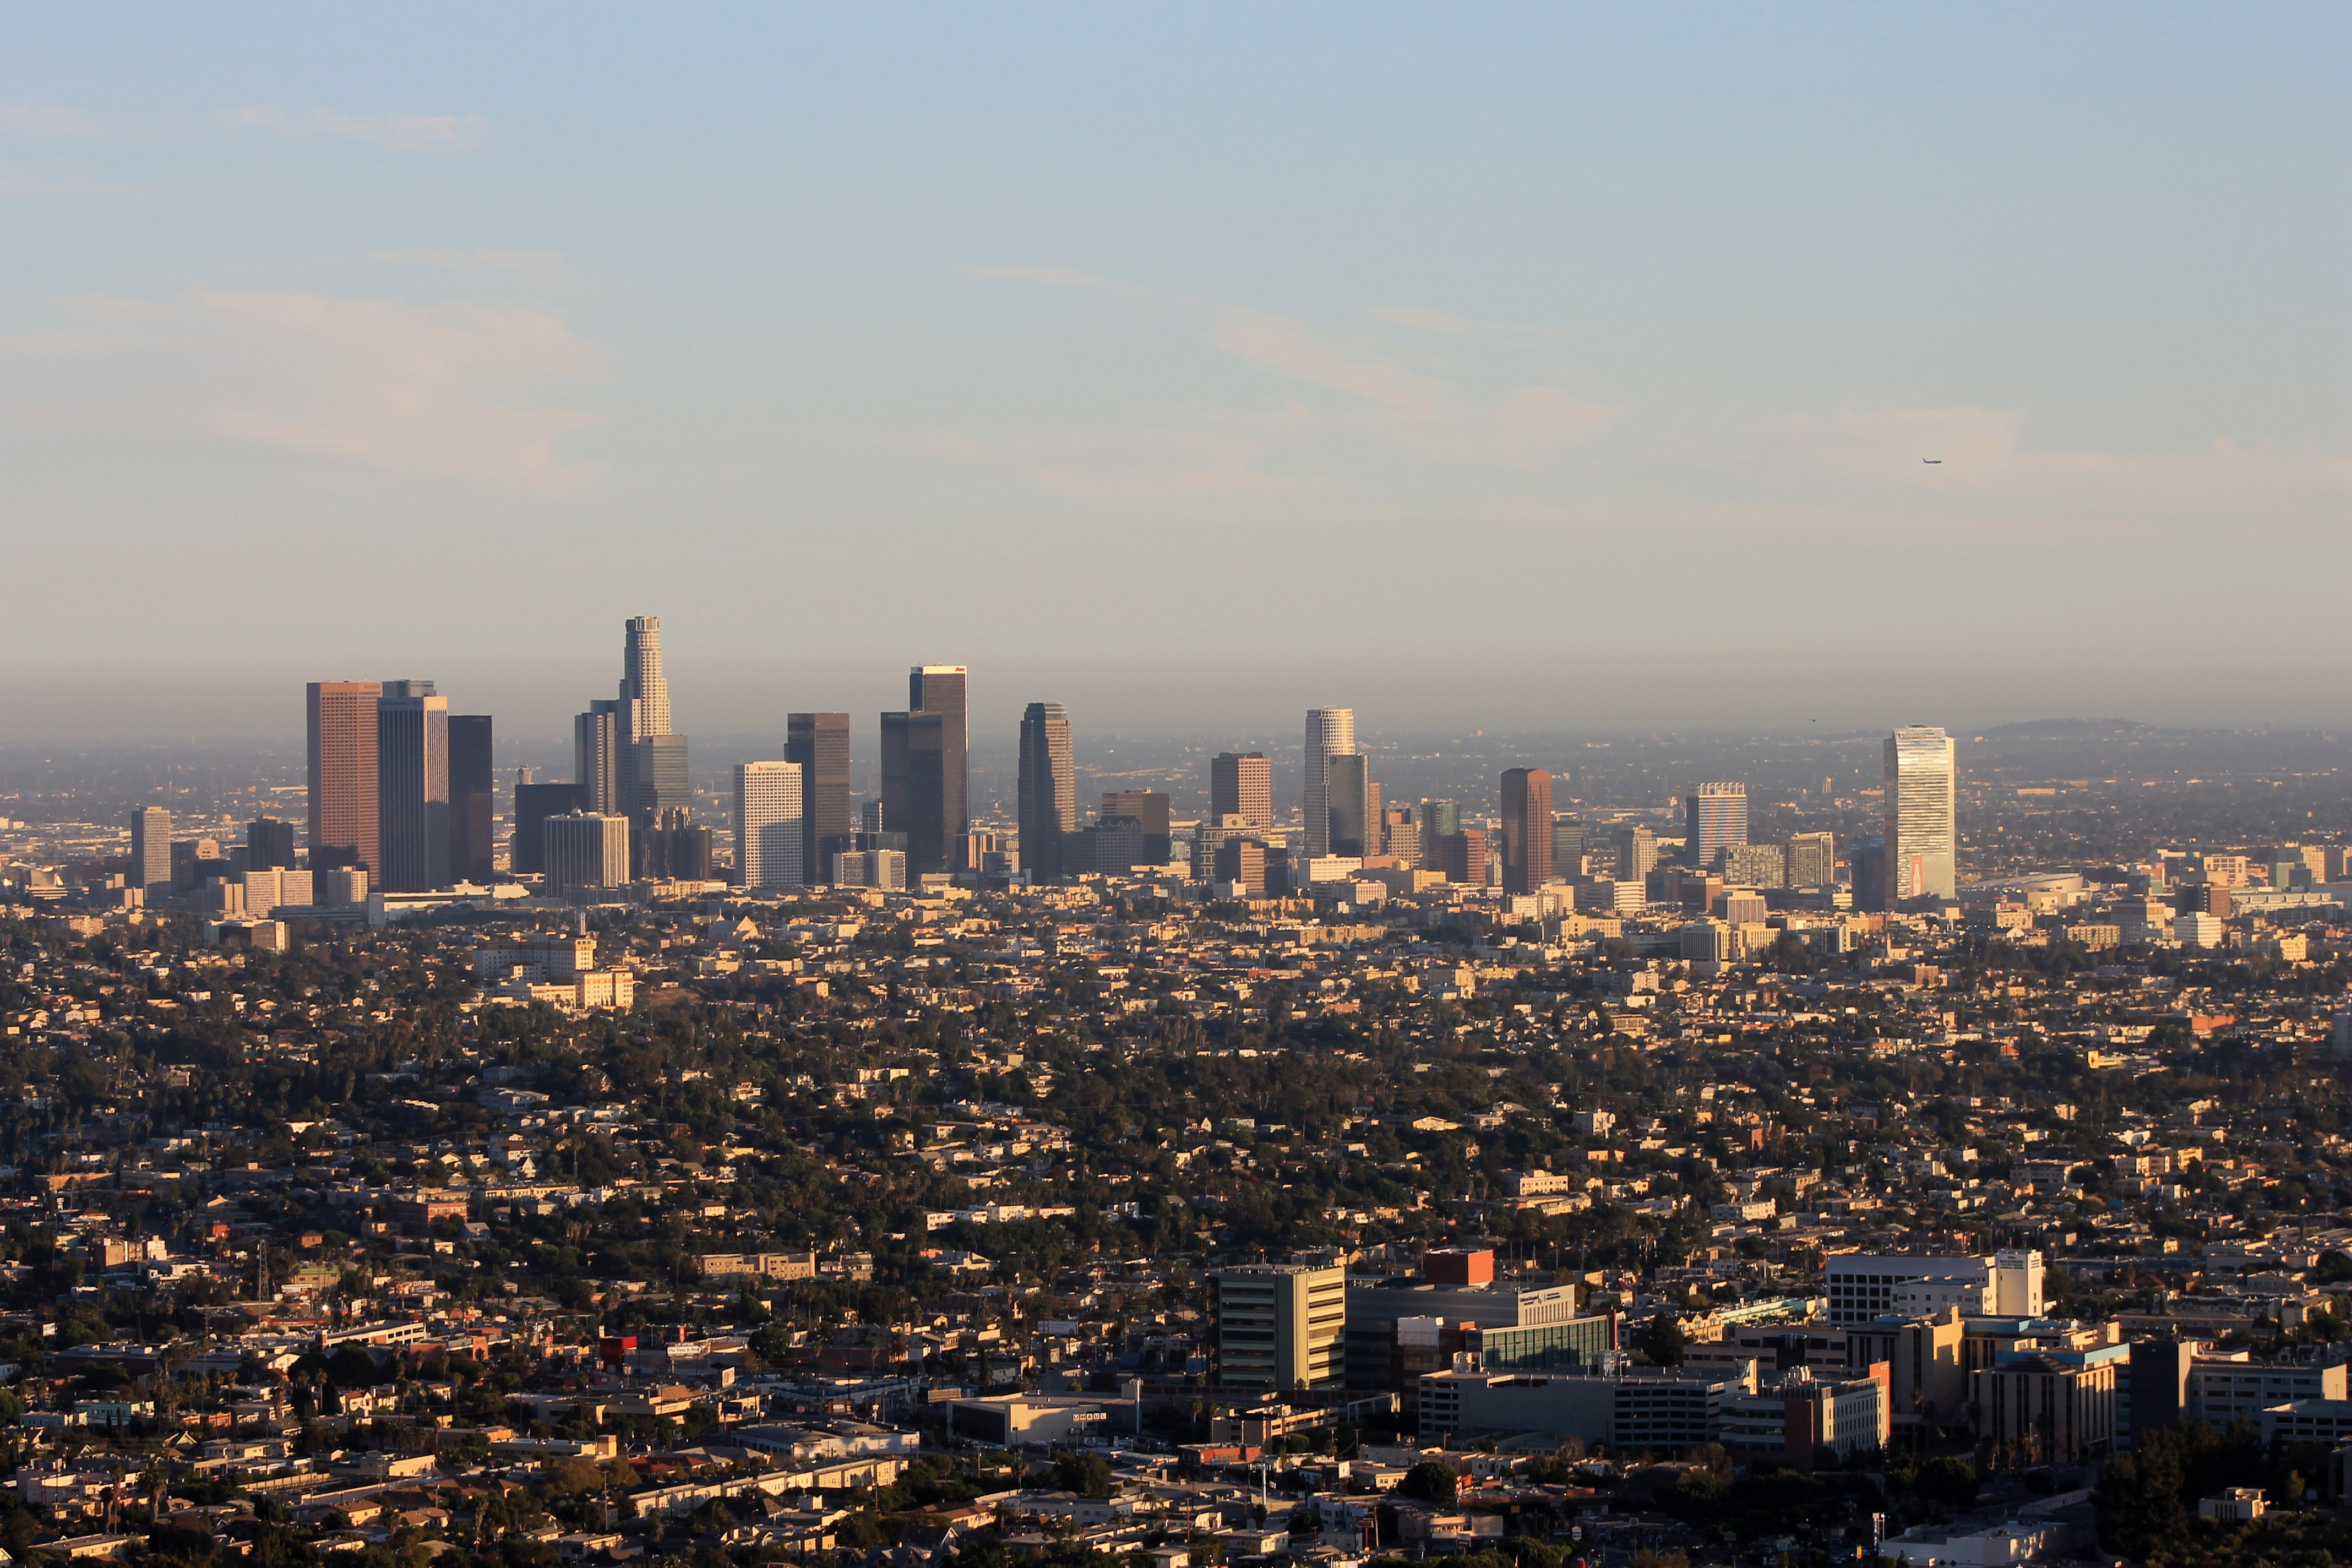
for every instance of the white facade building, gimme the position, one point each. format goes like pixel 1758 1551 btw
pixel 768 808
pixel 1922 814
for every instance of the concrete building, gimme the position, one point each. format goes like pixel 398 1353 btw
pixel 1526 829
pixel 341 717
pixel 1863 1286
pixel 585 851
pixel 534 805
pixel 769 825
pixel 1278 1325
pixel 151 847
pixel 1715 820
pixel 1927 1384
pixel 1812 861
pixel 2049 1408
pixel 1241 783
pixel 473 797
pixel 1659 1409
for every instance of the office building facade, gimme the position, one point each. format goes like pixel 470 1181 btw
pixel 268 844
pixel 1811 859
pixel 342 738
pixel 151 847
pixel 1279 1325
pixel 915 761
pixel 1152 808
pixel 412 740
pixel 534 805
pixel 1046 803
pixel 769 825
pixel 585 851
pixel 1241 783
pixel 1715 817
pixel 1526 829
pixel 944 689
pixel 473 799
pixel 1348 794
pixel 1330 733
pixel 819 743
pixel 1922 819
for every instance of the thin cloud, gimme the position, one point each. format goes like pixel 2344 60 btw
pixel 1285 347
pixel 457 390
pixel 18 182
pixel 30 118
pixel 399 132
pixel 529 263
pixel 1052 277
pixel 1149 464
pixel 1452 325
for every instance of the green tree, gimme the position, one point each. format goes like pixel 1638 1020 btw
pixel 1433 1480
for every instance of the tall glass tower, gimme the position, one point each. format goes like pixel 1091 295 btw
pixel 1049 790
pixel 1330 733
pixel 1922 814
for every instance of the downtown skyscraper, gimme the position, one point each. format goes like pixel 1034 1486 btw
pixel 1047 797
pixel 342 739
pixel 1330 733
pixel 412 728
pixel 769 810
pixel 1715 820
pixel 1241 783
pixel 1922 780
pixel 819 743
pixel 628 757
pixel 926 769
pixel 1526 829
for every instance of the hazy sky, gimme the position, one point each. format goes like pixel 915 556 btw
pixel 1555 367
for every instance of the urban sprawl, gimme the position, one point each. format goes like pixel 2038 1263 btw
pixel 482 1170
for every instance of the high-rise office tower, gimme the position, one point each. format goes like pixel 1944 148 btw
pixel 1241 783
pixel 1526 829
pixel 663 788
pixel 473 791
pixel 411 741
pixel 1439 819
pixel 1046 800
pixel 1279 1326
pixel 268 845
pixel 819 743
pixel 1637 852
pixel 151 847
pixel 1402 838
pixel 1567 847
pixel 1210 835
pixel 1241 860
pixel 585 851
pixel 914 787
pixel 1330 733
pixel 596 754
pixel 641 711
pixel 534 803
pixel 343 828
pixel 1812 860
pixel 1376 820
pixel 768 840
pixel 1922 814
pixel 1715 818
pixel 940 689
pixel 1347 795
pixel 1150 807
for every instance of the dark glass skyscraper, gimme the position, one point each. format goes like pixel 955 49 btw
pixel 411 745
pixel 1048 791
pixel 534 805
pixel 1152 808
pixel 939 688
pixel 1348 794
pixel 915 787
pixel 1526 829
pixel 819 743
pixel 473 789
pixel 268 845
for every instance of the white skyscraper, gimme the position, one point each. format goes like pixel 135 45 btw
pixel 1330 733
pixel 1922 821
pixel 768 825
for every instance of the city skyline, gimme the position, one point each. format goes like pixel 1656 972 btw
pixel 272 302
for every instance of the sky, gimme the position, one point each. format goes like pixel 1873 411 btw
pixel 1556 369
